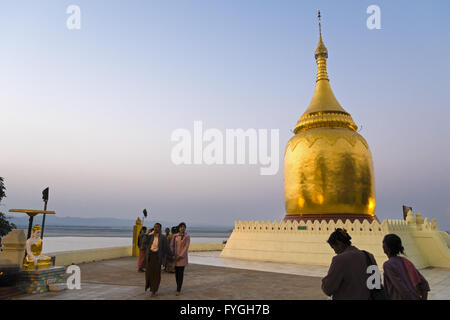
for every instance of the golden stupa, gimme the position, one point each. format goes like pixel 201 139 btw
pixel 327 165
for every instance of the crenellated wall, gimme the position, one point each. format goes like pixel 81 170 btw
pixel 305 242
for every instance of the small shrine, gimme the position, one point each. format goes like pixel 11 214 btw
pixel 36 271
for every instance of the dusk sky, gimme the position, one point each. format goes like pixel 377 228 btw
pixel 90 112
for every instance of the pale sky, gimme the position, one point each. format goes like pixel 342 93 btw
pixel 90 112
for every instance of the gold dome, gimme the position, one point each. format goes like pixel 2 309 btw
pixel 328 165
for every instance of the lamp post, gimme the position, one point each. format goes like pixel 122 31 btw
pixel 45 198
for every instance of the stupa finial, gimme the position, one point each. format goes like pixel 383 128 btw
pixel 320 26
pixel 321 50
pixel 321 54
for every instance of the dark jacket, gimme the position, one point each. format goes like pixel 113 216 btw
pixel 347 276
pixel 163 246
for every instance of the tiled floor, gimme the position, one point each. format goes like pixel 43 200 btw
pixel 212 258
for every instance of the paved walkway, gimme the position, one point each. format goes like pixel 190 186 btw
pixel 210 277
pixel 438 278
pixel 119 279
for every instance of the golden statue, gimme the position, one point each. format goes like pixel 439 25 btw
pixel 328 165
pixel 34 259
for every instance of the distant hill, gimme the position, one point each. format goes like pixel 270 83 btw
pixel 55 221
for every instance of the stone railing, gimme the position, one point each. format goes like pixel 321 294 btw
pixel 310 227
pixel 412 223
pixel 305 242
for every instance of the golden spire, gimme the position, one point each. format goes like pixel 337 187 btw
pixel 324 109
pixel 321 54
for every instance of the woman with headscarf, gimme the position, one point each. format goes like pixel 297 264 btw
pixel 170 262
pixel 141 259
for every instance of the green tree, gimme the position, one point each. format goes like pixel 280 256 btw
pixel 5 225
